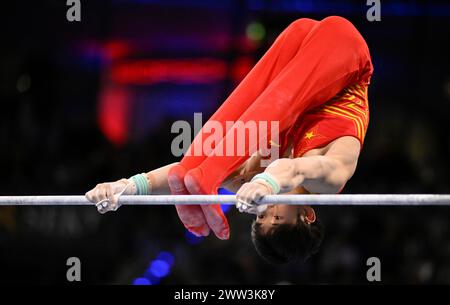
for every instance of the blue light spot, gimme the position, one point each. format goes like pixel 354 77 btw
pixel 159 268
pixel 225 207
pixel 149 276
pixel 192 239
pixel 167 257
pixel 141 281
pixel 223 191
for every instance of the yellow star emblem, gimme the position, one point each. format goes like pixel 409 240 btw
pixel 309 135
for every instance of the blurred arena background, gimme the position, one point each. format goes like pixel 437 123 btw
pixel 93 101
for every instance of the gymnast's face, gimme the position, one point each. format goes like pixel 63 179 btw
pixel 277 214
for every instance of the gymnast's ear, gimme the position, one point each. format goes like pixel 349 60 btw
pixel 309 215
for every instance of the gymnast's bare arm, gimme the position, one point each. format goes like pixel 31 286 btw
pixel 106 195
pixel 324 171
pixel 327 172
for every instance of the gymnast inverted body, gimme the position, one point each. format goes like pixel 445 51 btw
pixel 313 80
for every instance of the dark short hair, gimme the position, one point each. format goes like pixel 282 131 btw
pixel 286 242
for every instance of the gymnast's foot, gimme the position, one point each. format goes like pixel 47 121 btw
pixel 175 178
pixel 213 213
pixel 191 215
pixel 193 219
pixel 217 221
pixel 195 183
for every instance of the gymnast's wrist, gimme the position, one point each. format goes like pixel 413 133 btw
pixel 140 184
pixel 130 187
pixel 269 181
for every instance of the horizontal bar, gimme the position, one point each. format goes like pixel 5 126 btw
pixel 358 200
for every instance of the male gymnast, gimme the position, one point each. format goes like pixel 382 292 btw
pixel 313 80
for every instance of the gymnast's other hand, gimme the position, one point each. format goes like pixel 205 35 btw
pixel 250 194
pixel 106 195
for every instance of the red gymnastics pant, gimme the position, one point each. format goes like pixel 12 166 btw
pixel 307 65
